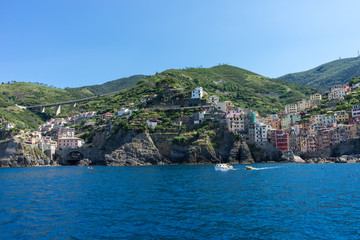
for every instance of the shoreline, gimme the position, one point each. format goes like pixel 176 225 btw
pixel 326 160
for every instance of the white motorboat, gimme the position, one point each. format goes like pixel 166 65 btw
pixel 223 167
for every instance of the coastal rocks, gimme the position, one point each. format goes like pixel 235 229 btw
pixel 84 162
pixel 132 148
pixel 26 161
pixel 200 151
pixel 342 159
pixel 240 153
pixel 12 154
pixel 202 154
pixel 298 159
pixel 136 149
pixel 266 152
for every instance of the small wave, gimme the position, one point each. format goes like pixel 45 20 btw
pixel 265 168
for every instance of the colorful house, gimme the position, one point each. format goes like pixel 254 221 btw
pixel 197 93
pixel 280 139
pixel 72 142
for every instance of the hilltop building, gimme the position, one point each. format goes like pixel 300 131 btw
pixel 197 93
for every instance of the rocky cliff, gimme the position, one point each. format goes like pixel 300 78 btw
pixel 132 148
pixel 14 154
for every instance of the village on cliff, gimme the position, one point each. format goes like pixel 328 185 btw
pixel 292 130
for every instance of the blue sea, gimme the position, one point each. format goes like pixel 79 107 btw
pixel 277 201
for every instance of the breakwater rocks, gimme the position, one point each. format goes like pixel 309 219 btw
pixel 342 159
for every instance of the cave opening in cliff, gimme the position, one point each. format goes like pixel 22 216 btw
pixel 73 158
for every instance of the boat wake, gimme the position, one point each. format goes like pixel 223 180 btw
pixel 264 168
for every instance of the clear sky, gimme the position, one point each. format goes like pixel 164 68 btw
pixel 71 43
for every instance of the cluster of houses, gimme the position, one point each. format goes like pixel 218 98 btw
pixel 290 131
pixel 53 134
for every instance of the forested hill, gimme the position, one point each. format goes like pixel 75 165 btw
pixel 322 77
pixel 242 87
pixel 111 86
pixel 27 94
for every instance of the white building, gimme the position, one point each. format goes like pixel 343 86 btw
pixel 258 132
pixel 124 112
pixel 336 93
pixel 152 123
pixel 9 126
pixel 197 93
pixel 326 120
pixel 302 105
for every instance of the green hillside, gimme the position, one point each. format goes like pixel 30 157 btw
pixel 322 77
pixel 242 87
pixel 112 86
pixel 27 94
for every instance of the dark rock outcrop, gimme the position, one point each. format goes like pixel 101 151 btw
pixel 240 153
pixel 266 153
pixel 131 148
pixel 134 149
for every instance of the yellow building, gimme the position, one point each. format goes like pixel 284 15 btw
pixel 316 97
pixel 342 116
pixel 291 108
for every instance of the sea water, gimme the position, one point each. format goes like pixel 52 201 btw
pixel 277 201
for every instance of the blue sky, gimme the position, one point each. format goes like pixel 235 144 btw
pixel 84 42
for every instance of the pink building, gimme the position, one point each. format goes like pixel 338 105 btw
pixel 70 142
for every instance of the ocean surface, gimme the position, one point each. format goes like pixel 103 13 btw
pixel 277 201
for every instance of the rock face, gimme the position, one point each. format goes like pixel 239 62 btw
pixel 131 148
pixel 13 154
pixel 341 159
pixel 134 149
pixel 240 153
pixel 267 153
pixel 298 159
pixel 200 151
